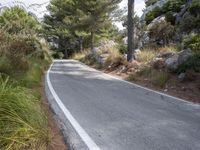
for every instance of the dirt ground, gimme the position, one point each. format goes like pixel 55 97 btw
pixel 187 90
pixel 57 141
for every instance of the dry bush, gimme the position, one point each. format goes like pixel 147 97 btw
pixel 115 59
pixel 146 55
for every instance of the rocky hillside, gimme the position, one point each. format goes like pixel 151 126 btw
pixel 170 21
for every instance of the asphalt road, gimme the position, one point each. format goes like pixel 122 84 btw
pixel 116 115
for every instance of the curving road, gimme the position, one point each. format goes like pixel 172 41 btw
pixel 106 113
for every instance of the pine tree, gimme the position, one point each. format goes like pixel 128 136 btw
pixel 130 30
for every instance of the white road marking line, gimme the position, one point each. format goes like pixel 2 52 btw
pixel 82 133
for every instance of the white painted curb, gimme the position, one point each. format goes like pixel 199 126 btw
pixel 81 132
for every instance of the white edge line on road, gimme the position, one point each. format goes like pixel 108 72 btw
pixel 81 132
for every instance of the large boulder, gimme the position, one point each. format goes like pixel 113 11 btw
pixel 157 20
pixel 101 53
pixel 159 3
pixel 184 56
pixel 173 62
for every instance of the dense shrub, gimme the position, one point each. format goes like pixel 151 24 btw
pixel 169 16
pixel 15 50
pixel 123 48
pixel 23 125
pixel 192 63
pixel 150 2
pixel 195 8
pixel 193 42
pixel 16 20
pixel 173 5
pixel 189 23
pixel 150 16
pixel 162 32
pixel 169 8
pixel 58 55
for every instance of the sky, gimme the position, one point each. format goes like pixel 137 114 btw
pixel 40 11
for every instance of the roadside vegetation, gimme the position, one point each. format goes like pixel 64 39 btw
pixel 23 60
pixel 166 54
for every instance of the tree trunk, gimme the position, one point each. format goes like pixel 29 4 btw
pixel 92 41
pixel 66 54
pixel 130 30
pixel 81 43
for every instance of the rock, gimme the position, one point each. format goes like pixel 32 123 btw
pixel 165 55
pixel 182 76
pixel 101 53
pixel 184 55
pixel 165 90
pixel 122 69
pixel 137 51
pixel 172 62
pixel 95 50
pixel 159 19
pixel 125 40
pixel 125 56
pixel 175 60
pixel 145 39
pixel 159 3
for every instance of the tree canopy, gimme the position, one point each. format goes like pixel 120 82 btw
pixel 71 21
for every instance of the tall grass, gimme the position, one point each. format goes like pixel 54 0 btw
pixel 23 125
pixel 146 55
pixel 155 77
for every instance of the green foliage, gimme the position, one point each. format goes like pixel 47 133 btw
pixel 169 8
pixel 193 42
pixel 192 63
pixel 58 55
pixel 22 122
pixel 195 8
pixel 71 19
pixel 15 50
pixel 169 16
pixel 23 125
pixel 123 48
pixel 162 32
pixel 16 20
pixel 150 16
pixel 150 2
pixel 189 23
pixel 173 5
pixel 191 20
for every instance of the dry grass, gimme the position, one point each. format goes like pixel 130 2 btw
pixel 155 77
pixel 146 55
pixel 115 59
pixel 169 48
pixel 80 55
